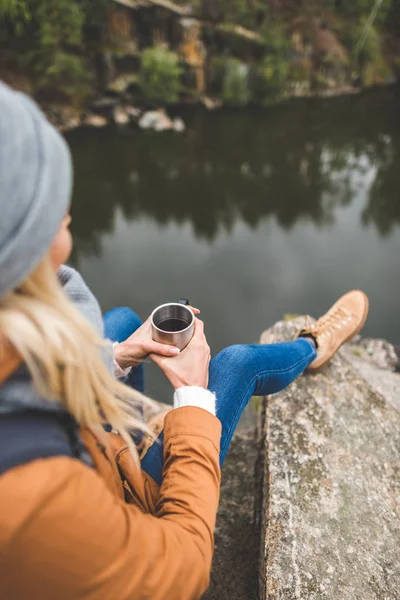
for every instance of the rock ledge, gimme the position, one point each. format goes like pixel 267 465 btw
pixel 330 483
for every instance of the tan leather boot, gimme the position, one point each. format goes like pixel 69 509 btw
pixel 341 323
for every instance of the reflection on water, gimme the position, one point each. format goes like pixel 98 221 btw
pixel 243 166
pixel 284 209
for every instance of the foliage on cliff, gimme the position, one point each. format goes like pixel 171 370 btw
pixel 159 76
pixel 51 40
pixel 258 50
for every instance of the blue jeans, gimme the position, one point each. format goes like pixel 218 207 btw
pixel 236 374
pixel 119 324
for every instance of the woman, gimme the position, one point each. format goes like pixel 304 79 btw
pixel 80 517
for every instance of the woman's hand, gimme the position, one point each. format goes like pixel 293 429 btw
pixel 190 367
pixel 133 351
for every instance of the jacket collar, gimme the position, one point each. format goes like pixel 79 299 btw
pixel 9 362
pixel 17 392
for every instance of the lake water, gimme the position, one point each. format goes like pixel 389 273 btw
pixel 250 214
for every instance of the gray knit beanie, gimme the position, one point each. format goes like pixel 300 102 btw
pixel 35 186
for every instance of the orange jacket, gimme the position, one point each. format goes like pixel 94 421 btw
pixel 68 532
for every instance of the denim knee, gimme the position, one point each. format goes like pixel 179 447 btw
pixel 120 323
pixel 132 320
pixel 234 355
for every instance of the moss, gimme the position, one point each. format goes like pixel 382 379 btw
pixel 290 316
pixel 357 352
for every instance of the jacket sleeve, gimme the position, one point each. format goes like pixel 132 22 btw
pixel 82 542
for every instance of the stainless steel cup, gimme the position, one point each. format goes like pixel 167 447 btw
pixel 172 324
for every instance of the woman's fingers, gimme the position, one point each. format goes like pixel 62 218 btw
pixel 151 347
pixel 198 327
pixel 157 359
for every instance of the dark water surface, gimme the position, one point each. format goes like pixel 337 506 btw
pixel 249 214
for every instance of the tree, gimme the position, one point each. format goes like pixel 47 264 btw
pixel 159 76
pixel 46 39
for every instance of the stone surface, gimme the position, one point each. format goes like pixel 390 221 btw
pixel 157 120
pixel 121 116
pixel 92 120
pixel 234 574
pixel 178 125
pixel 330 482
pixel 122 83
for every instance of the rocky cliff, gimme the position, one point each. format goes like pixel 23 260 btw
pixel 326 489
pixel 77 57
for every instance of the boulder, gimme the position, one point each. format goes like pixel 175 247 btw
pixel 210 103
pixel 133 112
pixel 178 125
pixel 122 83
pixel 121 115
pixel 93 120
pixel 158 120
pixel 329 512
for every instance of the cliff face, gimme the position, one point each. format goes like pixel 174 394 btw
pixel 235 52
pixel 327 490
pixel 289 49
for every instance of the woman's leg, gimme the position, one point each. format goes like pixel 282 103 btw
pixel 236 374
pixel 119 324
pixel 239 372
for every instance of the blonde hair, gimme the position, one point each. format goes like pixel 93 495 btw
pixel 65 355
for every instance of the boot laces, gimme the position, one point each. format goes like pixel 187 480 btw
pixel 332 321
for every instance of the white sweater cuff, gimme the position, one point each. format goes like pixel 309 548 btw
pixel 119 373
pixel 195 396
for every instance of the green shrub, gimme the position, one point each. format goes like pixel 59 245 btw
pixel 242 12
pixel 159 76
pixel 368 61
pixel 15 11
pixel 67 74
pixel 269 78
pixel 229 79
pixel 275 38
pixel 361 9
pixel 45 38
pixel 215 75
pixel 372 45
pixel 58 64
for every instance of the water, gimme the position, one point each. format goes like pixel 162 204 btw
pixel 172 325
pixel 249 214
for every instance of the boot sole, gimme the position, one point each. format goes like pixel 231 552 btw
pixel 350 337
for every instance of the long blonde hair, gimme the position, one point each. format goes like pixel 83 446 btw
pixel 65 355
